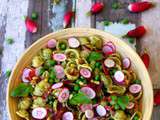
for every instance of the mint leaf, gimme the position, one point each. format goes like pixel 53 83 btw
pixel 94 56
pixel 79 98
pixel 123 101
pixel 9 41
pixel 8 73
pixel 22 90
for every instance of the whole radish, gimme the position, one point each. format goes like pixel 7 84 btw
pixel 31 25
pixel 139 6
pixel 96 8
pixel 146 59
pixel 157 98
pixel 67 18
pixel 137 32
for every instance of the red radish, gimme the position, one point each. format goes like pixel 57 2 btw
pixel 139 6
pixel 73 42
pixel 51 43
pixel 28 74
pixel 31 26
pixel 126 63
pixel 109 63
pixel 68 116
pixel 63 95
pixel 112 45
pixel 39 113
pixel 135 88
pixel 95 105
pixel 86 73
pixel 119 77
pixel 137 32
pixel 60 57
pixel 89 92
pixel 107 50
pixel 67 18
pixel 101 111
pixel 96 8
pixel 105 70
pixel 85 107
pixel 89 114
pixel 108 108
pixel 57 85
pixel 146 59
pixel 130 105
pixel 59 71
pixel 157 98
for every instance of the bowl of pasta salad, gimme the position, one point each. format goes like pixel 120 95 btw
pixel 79 74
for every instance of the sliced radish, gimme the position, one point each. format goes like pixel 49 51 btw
pixel 57 85
pixel 112 45
pixel 86 73
pixel 109 63
pixel 95 105
pixel 39 113
pixel 59 57
pixel 101 111
pixel 28 73
pixel 59 71
pixel 126 63
pixel 73 42
pixel 130 105
pixel 89 92
pixel 135 88
pixel 107 50
pixel 63 95
pixel 89 113
pixel 85 107
pixel 51 43
pixel 119 76
pixel 68 116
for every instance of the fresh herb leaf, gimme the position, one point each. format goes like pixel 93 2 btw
pixel 8 73
pixel 137 81
pixel 124 21
pixel 34 16
pixel 116 5
pixel 9 40
pixel 123 101
pixel 94 56
pixel 107 23
pixel 79 98
pixel 131 40
pixel 22 90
